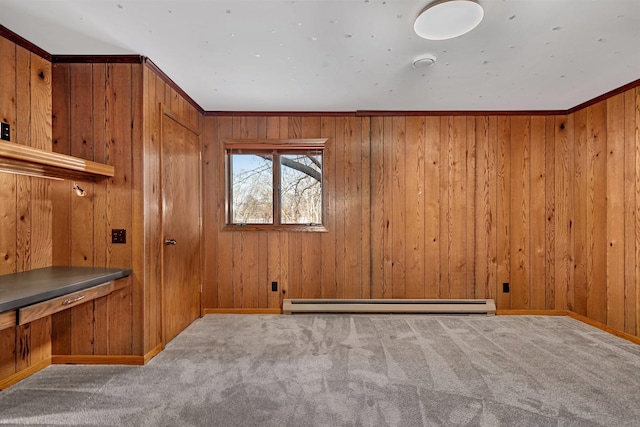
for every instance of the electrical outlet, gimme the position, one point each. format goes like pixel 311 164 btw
pixel 505 287
pixel 118 236
pixel 5 131
pixel 274 286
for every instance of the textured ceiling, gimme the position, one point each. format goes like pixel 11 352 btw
pixel 323 55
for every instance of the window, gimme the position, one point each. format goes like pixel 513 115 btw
pixel 275 184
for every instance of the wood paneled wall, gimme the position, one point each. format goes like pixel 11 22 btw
pixel 147 259
pixel 463 204
pixel 240 266
pixel 96 116
pixel 606 195
pixel 108 112
pixel 448 207
pixel 25 204
pixel 419 207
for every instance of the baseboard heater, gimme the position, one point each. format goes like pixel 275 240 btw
pixel 422 306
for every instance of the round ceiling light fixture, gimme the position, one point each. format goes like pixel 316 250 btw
pixel 424 61
pixel 447 19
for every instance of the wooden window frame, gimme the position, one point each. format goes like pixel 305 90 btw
pixel 279 147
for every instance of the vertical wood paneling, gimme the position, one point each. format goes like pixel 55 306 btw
pixel 636 114
pixel 60 190
pixel 387 203
pixel 563 211
pixel 8 355
pixel 327 262
pixel 550 208
pixel 23 97
pixel 377 207
pixel 615 205
pixel 503 171
pixel 226 259
pixel 355 284
pixel 470 189
pixel 458 205
pixel 106 115
pixel 210 221
pixel 519 212
pixel 457 228
pixel 82 143
pixel 101 232
pixel 414 208
pixel 432 197
pixel 365 213
pixel 485 211
pixel 630 224
pixel 41 246
pixel 8 249
pixel 23 129
pixel 538 173
pixel 25 202
pixel 341 200
pixel 596 213
pixel 580 284
pixel 398 266
pixel 146 246
pixel 8 182
pixel 311 254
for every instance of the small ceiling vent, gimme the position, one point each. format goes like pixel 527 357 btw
pixel 424 61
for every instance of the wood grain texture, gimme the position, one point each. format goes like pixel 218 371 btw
pixel 615 181
pixel 25 202
pixel 414 206
pixel 93 110
pixel 596 213
pixel 550 207
pixel 520 212
pixel 503 172
pixel 580 282
pixel 537 212
pixel 496 190
pixel 630 214
pixel 181 221
pixel 108 112
pixel 564 210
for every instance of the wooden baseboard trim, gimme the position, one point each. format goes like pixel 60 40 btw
pixel 153 353
pixel 19 376
pixel 604 327
pixel 241 311
pixel 532 312
pixel 97 360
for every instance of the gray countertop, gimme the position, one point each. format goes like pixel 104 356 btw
pixel 30 287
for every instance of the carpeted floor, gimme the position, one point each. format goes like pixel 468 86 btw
pixel 352 370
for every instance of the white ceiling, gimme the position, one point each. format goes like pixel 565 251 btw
pixel 330 55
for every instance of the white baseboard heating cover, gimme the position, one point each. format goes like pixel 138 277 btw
pixel 423 306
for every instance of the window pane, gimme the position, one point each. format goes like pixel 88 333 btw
pixel 252 189
pixel 301 189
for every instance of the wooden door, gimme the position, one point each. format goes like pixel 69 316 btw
pixel 181 226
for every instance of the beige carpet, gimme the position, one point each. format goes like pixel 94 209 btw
pixel 352 370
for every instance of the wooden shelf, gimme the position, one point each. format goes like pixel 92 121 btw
pixel 24 160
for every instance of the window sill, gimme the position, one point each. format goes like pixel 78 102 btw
pixel 269 227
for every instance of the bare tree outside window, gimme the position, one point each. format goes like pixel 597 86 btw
pixel 299 191
pixel 252 189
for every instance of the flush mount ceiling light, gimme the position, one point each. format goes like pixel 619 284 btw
pixel 447 19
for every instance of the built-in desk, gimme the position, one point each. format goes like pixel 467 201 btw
pixel 36 293
pixel 29 303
